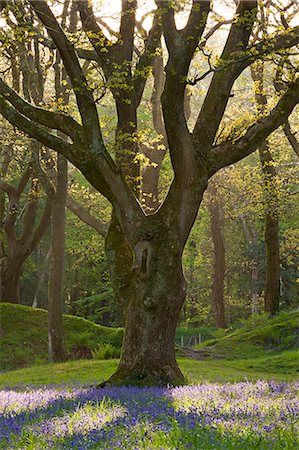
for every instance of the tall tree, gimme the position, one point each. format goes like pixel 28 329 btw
pixel 216 215
pixel 56 345
pixel 272 288
pixel 152 245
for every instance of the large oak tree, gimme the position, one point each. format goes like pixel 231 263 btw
pixel 145 250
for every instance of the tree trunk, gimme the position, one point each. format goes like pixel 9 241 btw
pixel 251 237
pixel 272 287
pixel 272 290
pixel 10 281
pixel 41 278
pixel 254 288
pixel 55 290
pixel 219 261
pixel 156 296
pixel 2 250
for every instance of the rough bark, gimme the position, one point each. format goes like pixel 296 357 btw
pixel 10 280
pixel 156 298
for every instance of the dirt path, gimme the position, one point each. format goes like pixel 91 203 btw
pixel 199 355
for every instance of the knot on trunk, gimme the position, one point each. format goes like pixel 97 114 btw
pixel 142 253
pixel 14 206
pixel 150 304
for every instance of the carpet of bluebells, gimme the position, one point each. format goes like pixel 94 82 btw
pixel 260 415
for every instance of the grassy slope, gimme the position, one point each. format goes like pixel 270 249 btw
pixel 24 335
pixel 264 339
pixel 266 350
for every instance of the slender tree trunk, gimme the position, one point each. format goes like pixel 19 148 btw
pixel 41 278
pixel 55 290
pixel 251 237
pixel 2 249
pixel 219 260
pixel 272 287
pixel 254 273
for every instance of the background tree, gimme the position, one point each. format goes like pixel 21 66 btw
pixel 25 215
pixel 219 263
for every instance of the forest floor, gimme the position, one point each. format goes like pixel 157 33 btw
pixel 242 393
pixel 57 406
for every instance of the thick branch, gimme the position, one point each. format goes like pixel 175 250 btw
pixel 84 96
pixel 33 129
pixel 50 119
pixel 86 217
pixel 127 25
pixel 99 169
pixel 181 49
pixel 146 60
pixel 291 137
pixel 169 26
pixel 214 104
pixel 230 152
pixel 181 44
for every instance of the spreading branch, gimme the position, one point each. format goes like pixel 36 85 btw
pixel 214 105
pixel 50 119
pixel 181 46
pixel 291 137
pixel 34 130
pixel 83 95
pixel 229 152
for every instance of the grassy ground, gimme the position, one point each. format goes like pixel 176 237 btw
pixel 263 348
pixel 93 371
